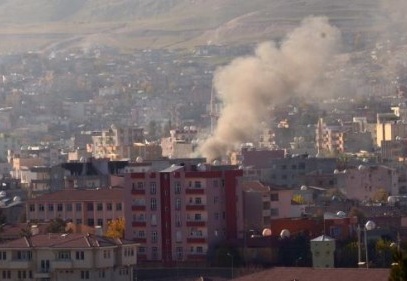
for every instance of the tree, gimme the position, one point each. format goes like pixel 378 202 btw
pixel 56 226
pixel 398 270
pixel 115 228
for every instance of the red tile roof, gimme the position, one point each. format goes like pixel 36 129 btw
pixel 63 241
pixel 318 274
pixel 115 194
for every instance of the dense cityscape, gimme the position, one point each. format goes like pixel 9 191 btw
pixel 213 162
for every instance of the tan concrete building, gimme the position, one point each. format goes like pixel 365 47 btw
pixel 67 257
pixel 89 207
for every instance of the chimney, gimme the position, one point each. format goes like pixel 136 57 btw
pixel 98 230
pixel 34 230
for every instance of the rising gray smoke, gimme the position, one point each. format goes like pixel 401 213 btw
pixel 249 86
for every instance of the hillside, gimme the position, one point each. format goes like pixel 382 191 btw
pixel 129 24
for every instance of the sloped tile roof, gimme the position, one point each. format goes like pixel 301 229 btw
pixel 316 274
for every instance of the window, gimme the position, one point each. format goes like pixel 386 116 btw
pixel 153 204
pixel 91 222
pixel 99 206
pixel 24 255
pixel 109 206
pixel 51 207
pixel 274 212
pixel 118 206
pixel 3 255
pixel 198 184
pixel 90 206
pixel 84 274
pixel 106 254
pixel 78 221
pixel 64 255
pixel 22 274
pixel 78 207
pixel 142 249
pixel 177 204
pixel 102 274
pixel 154 252
pixel 59 207
pixel 215 183
pixel 140 185
pixel 177 188
pixel 32 208
pixel 41 207
pixel 274 197
pixel 100 222
pixel 179 251
pixel 198 217
pixel 68 207
pixel 80 255
pixel 154 236
pixel 153 188
pixel 198 200
pixel 199 249
pixel 153 219
pixel 141 234
pixel 6 274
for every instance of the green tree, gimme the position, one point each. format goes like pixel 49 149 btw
pixel 56 226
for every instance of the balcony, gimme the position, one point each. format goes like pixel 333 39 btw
pixel 139 224
pixel 138 191
pixel 196 256
pixel 138 207
pixel 196 223
pixel 196 240
pixel 195 207
pixel 140 240
pixel 195 191
pixel 19 264
pixel 41 275
pixel 61 264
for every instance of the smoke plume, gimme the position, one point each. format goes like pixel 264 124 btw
pixel 249 86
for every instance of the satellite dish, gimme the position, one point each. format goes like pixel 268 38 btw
pixel 16 199
pixel 267 232
pixel 285 233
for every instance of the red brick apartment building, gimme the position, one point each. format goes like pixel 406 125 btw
pixel 179 213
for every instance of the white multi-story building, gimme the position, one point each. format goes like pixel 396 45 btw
pixel 67 257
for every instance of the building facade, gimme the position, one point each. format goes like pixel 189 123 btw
pixel 177 214
pixel 62 257
pixel 89 207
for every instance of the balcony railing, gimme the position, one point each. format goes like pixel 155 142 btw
pixel 19 264
pixel 138 207
pixel 196 223
pixel 138 191
pixel 195 191
pixel 196 240
pixel 62 264
pixel 139 224
pixel 195 207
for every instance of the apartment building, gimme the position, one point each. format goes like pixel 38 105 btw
pixel 89 207
pixel 180 143
pixel 367 182
pixel 291 172
pixel 116 142
pixel 177 214
pixel 62 257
